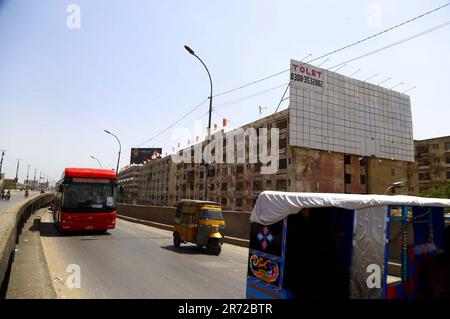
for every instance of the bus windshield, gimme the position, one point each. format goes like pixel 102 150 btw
pixel 88 198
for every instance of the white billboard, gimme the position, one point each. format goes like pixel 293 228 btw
pixel 332 112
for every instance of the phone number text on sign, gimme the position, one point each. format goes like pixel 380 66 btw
pixel 306 80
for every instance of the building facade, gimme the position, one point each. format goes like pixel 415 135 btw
pixel 156 183
pixel 432 162
pixel 236 186
pixel 128 181
pixel 338 135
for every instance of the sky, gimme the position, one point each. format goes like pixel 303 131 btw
pixel 125 69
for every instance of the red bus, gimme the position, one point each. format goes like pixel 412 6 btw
pixel 85 200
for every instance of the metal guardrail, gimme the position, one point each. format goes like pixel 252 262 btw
pixel 12 220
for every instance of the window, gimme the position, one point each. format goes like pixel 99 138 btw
pixel 239 202
pixel 424 176
pixel 447 160
pixel 211 187
pixel 347 159
pixel 447 146
pixel 257 185
pixel 282 124
pixel 223 201
pixel 448 174
pixel 240 169
pixel 423 162
pixel 281 185
pixel 362 161
pixel 437 160
pixel 362 179
pixel 283 164
pixel 422 149
pixel 283 143
pixel 224 187
pixel 239 186
pixel 257 167
pixel 347 178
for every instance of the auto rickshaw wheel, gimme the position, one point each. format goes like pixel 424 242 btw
pixel 214 247
pixel 176 239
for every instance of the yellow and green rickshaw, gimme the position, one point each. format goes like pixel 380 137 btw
pixel 201 223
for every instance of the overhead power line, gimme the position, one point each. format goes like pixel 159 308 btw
pixel 396 43
pixel 174 123
pixel 338 50
pixel 315 59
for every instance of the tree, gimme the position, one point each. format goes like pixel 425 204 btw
pixel 437 192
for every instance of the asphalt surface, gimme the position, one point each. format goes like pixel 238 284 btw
pixel 15 198
pixel 138 261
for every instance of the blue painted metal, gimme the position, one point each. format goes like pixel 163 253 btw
pixel 404 254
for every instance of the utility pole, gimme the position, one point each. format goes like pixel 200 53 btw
pixel 34 179
pixel 120 150
pixel 17 170
pixel 1 162
pixel 28 173
pixel 209 118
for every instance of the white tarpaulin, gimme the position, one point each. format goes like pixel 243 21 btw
pixel 272 206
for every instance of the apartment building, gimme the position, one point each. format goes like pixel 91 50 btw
pixel 128 179
pixel 156 182
pixel 432 162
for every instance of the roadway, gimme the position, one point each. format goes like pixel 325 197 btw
pixel 138 261
pixel 15 198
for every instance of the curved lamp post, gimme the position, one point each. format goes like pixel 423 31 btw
pixel 99 163
pixel 394 185
pixel 209 118
pixel 120 149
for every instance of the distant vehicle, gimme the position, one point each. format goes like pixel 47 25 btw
pixel 201 223
pixel 26 193
pixel 42 191
pixel 85 200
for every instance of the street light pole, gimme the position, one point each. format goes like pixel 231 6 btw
pixel 1 162
pixel 394 185
pixel 28 174
pixel 209 117
pixel 97 161
pixel 17 170
pixel 120 149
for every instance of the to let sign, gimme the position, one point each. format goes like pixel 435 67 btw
pixel 307 76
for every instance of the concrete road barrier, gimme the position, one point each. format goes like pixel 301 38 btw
pixel 12 220
pixel 237 224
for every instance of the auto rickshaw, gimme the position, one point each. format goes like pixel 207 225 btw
pixel 201 223
pixel 342 246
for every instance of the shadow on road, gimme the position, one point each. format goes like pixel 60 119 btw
pixel 187 250
pixel 48 229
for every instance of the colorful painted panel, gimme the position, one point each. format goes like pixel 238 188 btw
pixel 267 239
pixel 265 269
